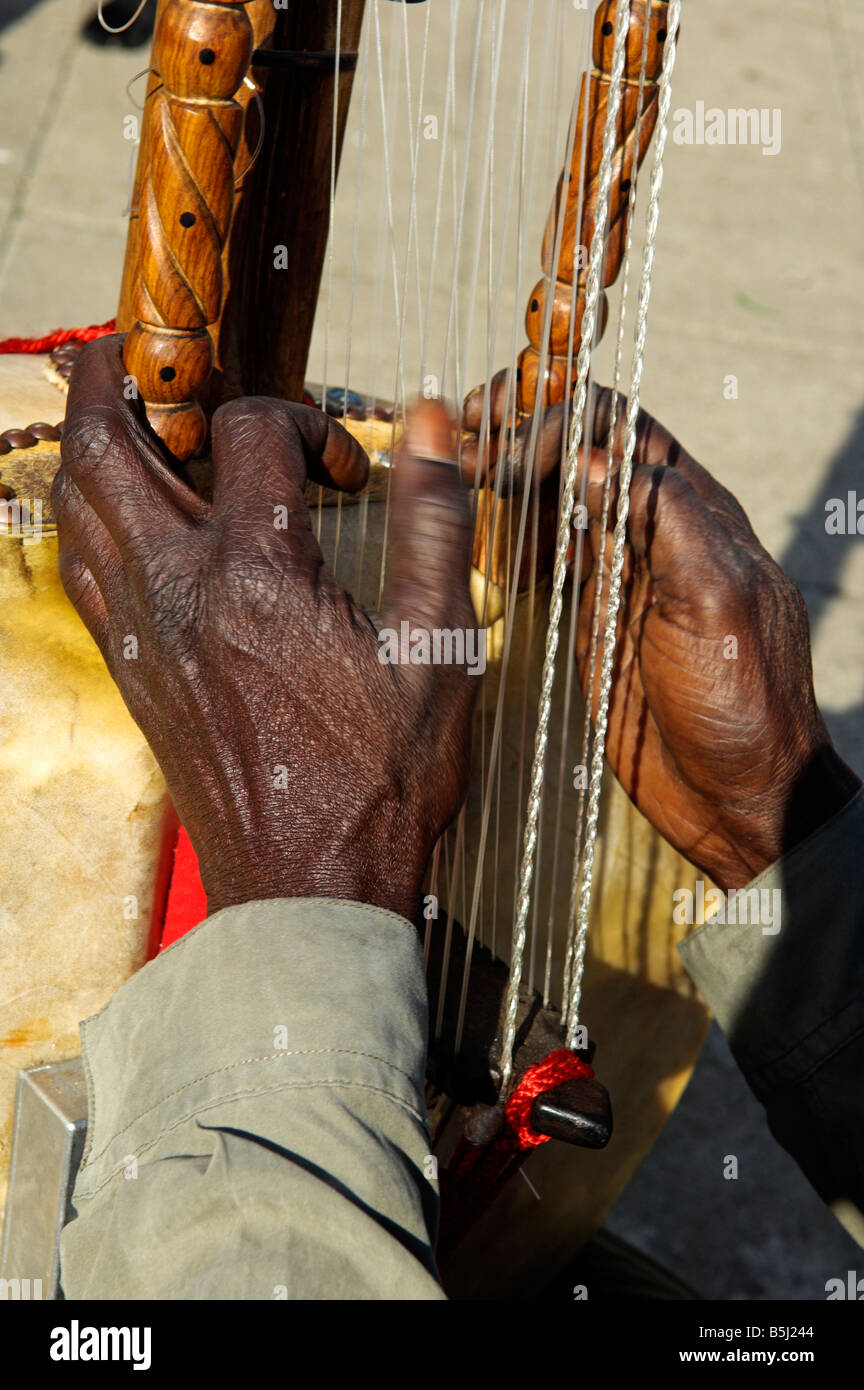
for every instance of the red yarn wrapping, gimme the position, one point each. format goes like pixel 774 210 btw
pixel 58 337
pixel 477 1173
pixel 553 1071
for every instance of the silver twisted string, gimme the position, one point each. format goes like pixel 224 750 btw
pixel 559 573
pixel 576 872
pixel 613 603
pixel 109 29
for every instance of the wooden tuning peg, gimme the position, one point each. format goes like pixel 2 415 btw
pixel 578 1112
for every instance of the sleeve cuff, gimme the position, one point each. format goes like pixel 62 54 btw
pixel 788 998
pixel 250 1001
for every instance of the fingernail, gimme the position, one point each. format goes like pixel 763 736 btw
pixel 430 432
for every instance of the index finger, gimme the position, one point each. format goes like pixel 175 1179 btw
pixel 262 445
pixel 431 533
pixel 656 447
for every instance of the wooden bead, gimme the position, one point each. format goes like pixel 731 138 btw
pixel 543 368
pixel 566 317
pixel 604 37
pixel 48 433
pixel 552 381
pixel 168 366
pixel 528 373
pixel 17 439
pixel 182 428
pixel 202 50
pixel 536 313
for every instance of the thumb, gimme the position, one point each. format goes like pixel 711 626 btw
pixel 430 528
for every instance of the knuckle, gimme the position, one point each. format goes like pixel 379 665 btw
pixel 252 413
pixel 174 607
pixel 91 439
pixel 77 581
pixel 63 494
pixel 245 408
pixel 252 421
pixel 674 485
pixel 166 578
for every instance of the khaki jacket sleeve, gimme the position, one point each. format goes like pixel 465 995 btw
pixel 257 1127
pixel 790 998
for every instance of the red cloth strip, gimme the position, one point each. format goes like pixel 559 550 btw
pixel 187 901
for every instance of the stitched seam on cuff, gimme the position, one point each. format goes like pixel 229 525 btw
pixel 243 1095
pixel 248 1061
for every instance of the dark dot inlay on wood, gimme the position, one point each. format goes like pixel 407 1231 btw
pixel 607 28
pixel 167 373
pixel 206 56
pixel 187 219
pixel 535 305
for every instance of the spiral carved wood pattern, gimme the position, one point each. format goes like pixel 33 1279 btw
pixel 201 51
pixel 548 374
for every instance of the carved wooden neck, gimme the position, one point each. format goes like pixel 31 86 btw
pixel 201 51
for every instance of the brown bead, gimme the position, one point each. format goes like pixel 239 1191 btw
pixel 528 380
pixel 604 37
pixel 40 430
pixel 528 367
pixel 182 428
pixel 185 31
pixel 5 446
pixel 18 439
pixel 561 327
pixel 168 367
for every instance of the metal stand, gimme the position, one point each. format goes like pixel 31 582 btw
pixel 47 1144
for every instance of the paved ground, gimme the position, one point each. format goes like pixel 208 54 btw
pixel 760 275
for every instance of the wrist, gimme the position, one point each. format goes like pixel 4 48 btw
pixel 825 785
pixel 377 880
pixel 822 787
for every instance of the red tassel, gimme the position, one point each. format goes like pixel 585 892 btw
pixel 478 1172
pixel 58 337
